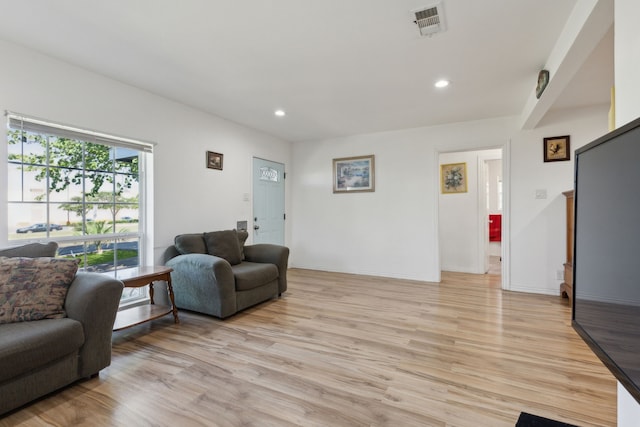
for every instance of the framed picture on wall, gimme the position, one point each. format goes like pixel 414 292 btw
pixel 557 148
pixel 453 178
pixel 214 160
pixel 354 174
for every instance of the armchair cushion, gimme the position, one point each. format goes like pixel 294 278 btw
pixel 34 288
pixel 224 244
pixel 190 244
pixel 251 275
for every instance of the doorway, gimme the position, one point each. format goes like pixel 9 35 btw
pixel 493 185
pixel 467 239
pixel 268 202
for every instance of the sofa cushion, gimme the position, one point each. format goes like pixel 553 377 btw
pixel 190 244
pixel 224 244
pixel 34 288
pixel 30 345
pixel 251 275
pixel 32 250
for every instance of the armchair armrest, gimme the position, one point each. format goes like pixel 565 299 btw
pixel 273 254
pixel 203 283
pixel 93 300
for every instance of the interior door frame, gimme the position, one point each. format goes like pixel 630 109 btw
pixel 506 207
pixel 483 218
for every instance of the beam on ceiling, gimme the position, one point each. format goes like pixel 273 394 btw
pixel 587 25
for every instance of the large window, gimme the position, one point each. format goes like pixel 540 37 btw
pixel 82 189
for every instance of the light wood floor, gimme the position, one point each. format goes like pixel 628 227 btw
pixel 346 350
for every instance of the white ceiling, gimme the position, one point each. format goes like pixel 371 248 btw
pixel 338 67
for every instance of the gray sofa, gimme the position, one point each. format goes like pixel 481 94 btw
pixel 41 356
pixel 217 274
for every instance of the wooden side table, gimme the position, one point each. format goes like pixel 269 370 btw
pixel 136 278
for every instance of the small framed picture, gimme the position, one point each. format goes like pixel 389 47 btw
pixel 214 160
pixel 557 148
pixel 354 174
pixel 453 178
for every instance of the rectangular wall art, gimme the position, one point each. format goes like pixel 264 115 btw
pixel 453 178
pixel 354 174
pixel 214 160
pixel 557 148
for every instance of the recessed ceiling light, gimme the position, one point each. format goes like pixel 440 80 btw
pixel 441 83
pixel 280 113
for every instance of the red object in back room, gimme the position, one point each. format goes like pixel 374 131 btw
pixel 495 228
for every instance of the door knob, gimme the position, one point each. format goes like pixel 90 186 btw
pixel 256 227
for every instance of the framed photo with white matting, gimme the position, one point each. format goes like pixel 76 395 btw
pixel 354 174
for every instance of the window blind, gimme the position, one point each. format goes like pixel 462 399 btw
pixel 32 124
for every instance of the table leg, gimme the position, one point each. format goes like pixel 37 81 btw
pixel 173 302
pixel 151 292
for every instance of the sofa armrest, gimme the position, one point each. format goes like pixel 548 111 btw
pixel 93 300
pixel 203 283
pixel 273 254
pixel 170 252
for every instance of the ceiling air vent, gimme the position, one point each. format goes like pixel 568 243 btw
pixel 430 20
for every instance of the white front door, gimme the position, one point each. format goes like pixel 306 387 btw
pixel 268 202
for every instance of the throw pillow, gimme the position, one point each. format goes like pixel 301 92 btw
pixel 34 288
pixel 243 235
pixel 190 244
pixel 224 244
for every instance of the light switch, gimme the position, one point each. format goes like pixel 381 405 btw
pixel 541 194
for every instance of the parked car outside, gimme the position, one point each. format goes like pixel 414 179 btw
pixel 38 228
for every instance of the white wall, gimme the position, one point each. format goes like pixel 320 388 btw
pixel 627 70
pixel 458 219
pixel 188 197
pixel 494 176
pixel 538 226
pixel 393 231
pixel 627 61
pixel 462 244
